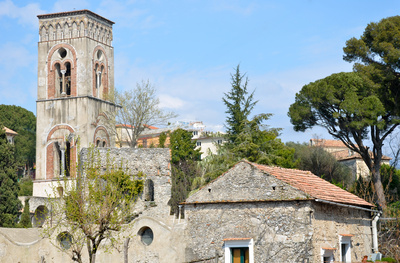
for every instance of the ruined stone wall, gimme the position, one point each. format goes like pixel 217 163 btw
pixel 27 245
pixel 331 221
pixel 281 231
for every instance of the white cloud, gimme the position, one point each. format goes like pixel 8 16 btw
pixel 25 15
pixel 167 101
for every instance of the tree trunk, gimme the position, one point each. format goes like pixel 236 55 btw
pixel 126 246
pixel 380 191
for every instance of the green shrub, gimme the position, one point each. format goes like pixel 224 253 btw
pixel 389 259
pixel 25 187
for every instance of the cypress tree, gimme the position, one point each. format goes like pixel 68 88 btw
pixel 9 202
pixel 25 217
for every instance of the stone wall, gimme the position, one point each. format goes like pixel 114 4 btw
pixel 281 231
pixel 332 221
pixel 152 161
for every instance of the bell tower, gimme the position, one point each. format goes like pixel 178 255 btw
pixel 75 81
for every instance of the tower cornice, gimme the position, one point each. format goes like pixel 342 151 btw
pixel 76 12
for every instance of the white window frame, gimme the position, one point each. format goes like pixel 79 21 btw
pixel 238 243
pixel 327 253
pixel 347 241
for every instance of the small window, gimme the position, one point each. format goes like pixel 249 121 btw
pixel 345 247
pixel 65 240
pixel 99 55
pixel 239 250
pixel 62 52
pixel 149 190
pixel 104 144
pixel 198 143
pixel 219 141
pixel 195 133
pixel 146 235
pixel 240 254
pixel 327 255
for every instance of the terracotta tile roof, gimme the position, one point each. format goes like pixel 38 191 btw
pixel 346 155
pixel 313 185
pixel 9 131
pixel 327 143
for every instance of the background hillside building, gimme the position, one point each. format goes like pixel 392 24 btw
pixel 346 156
pixel 206 141
pixel 10 134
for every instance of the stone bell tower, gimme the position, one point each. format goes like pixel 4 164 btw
pixel 75 79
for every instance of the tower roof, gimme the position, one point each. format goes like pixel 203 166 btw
pixel 76 12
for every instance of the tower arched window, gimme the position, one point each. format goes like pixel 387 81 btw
pixel 62 72
pixel 58 79
pixel 68 78
pixel 100 81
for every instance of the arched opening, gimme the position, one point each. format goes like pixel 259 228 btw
pixel 58 79
pixel 146 235
pixel 41 213
pixel 64 239
pixel 149 190
pixel 68 78
pixel 104 144
pixel 67 161
pixel 62 52
pixel 99 54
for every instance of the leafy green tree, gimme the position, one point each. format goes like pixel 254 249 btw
pixel 260 144
pixel 376 55
pixel 182 147
pixel 25 187
pixel 24 123
pixel 94 209
pixel 239 104
pixel 25 217
pixel 249 139
pixel 162 139
pixel 184 157
pixel 9 202
pixel 352 109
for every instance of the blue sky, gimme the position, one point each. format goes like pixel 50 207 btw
pixel 188 49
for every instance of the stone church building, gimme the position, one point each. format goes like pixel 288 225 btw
pixel 250 214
